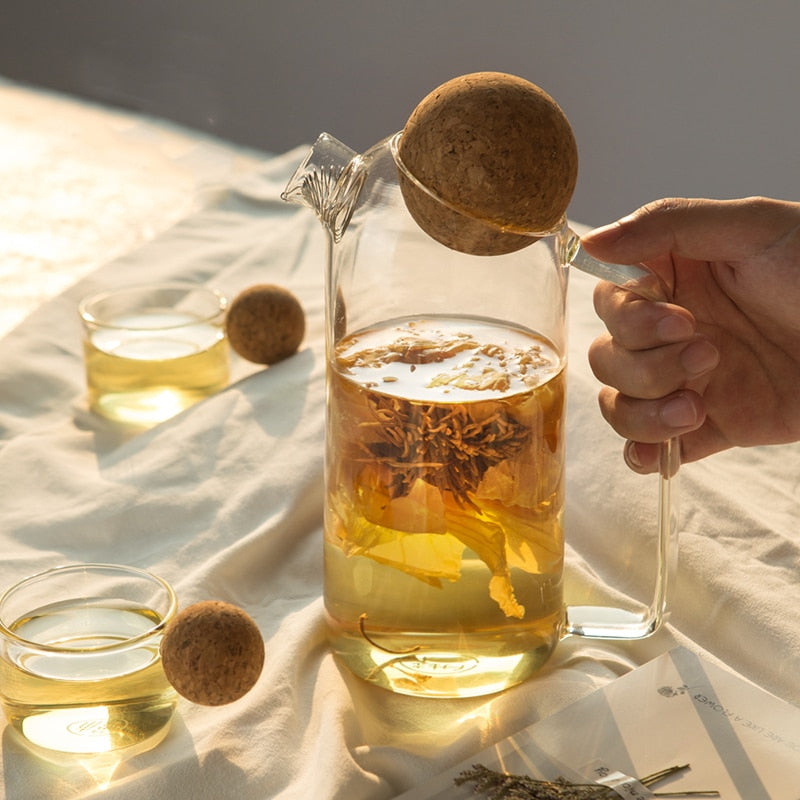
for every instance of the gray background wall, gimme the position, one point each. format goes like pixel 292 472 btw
pixel 686 97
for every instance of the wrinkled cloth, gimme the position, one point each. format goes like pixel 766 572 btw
pixel 225 502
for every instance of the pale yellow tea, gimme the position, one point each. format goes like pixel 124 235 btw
pixel 73 694
pixel 445 490
pixel 145 368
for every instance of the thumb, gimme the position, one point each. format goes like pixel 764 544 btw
pixel 703 230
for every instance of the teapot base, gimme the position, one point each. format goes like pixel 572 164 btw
pixel 428 671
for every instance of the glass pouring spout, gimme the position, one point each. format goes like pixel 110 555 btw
pixel 328 181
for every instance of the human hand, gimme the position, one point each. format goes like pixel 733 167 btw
pixel 718 365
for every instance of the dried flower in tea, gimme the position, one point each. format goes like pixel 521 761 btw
pixel 449 447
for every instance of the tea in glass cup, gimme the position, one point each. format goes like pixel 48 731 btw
pixel 152 351
pixel 80 668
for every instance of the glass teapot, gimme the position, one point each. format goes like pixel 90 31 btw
pixel 445 442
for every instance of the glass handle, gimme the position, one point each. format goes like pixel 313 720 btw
pixel 602 622
pixel 633 277
pixel 616 623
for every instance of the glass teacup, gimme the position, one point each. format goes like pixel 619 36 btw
pixel 80 668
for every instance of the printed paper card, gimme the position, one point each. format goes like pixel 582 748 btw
pixel 675 710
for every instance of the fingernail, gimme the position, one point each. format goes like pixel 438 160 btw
pixel 700 356
pixel 631 455
pixel 674 328
pixel 678 412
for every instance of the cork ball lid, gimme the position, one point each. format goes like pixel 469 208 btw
pixel 487 155
pixel 212 653
pixel 265 324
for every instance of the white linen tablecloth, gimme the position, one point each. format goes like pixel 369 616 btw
pixel 225 501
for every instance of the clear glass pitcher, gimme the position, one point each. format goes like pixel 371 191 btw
pixel 445 442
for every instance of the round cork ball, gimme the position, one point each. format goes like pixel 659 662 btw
pixel 265 324
pixel 500 154
pixel 212 653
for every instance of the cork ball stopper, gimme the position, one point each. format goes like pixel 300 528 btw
pixel 500 154
pixel 212 653
pixel 265 324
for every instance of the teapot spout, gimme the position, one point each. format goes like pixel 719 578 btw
pixel 328 181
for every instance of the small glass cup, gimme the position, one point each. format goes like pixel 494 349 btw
pixel 80 667
pixel 152 351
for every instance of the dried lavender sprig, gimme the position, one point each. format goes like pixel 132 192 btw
pixel 501 786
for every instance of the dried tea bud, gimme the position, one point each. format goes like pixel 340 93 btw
pixel 265 324
pixel 212 653
pixel 500 154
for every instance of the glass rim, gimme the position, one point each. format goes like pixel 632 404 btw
pixel 96 297
pixel 394 144
pixel 172 598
